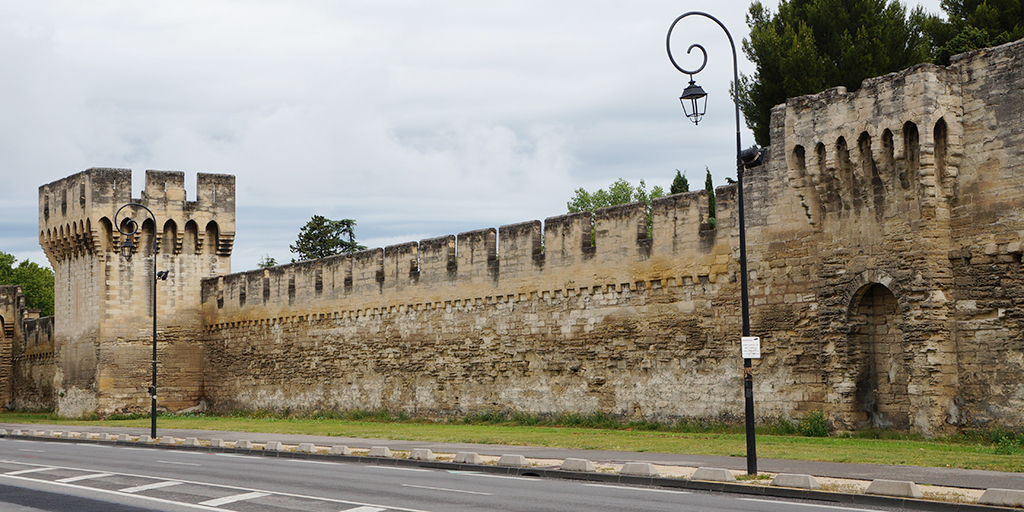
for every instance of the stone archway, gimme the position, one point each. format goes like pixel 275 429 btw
pixel 879 360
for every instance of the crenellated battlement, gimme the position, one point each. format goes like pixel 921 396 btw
pixel 524 258
pixel 76 213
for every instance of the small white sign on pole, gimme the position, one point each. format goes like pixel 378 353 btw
pixel 750 346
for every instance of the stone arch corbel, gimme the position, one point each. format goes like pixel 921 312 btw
pixel 855 288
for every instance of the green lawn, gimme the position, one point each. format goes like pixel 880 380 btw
pixel 934 453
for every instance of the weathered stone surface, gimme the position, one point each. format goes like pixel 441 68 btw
pixel 305 448
pixel 273 446
pixel 168 440
pixel 243 444
pixel 217 443
pixel 124 438
pixel 191 441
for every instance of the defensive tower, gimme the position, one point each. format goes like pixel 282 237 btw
pixel 103 305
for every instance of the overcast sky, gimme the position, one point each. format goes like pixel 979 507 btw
pixel 417 119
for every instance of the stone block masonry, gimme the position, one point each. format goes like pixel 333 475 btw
pixel 884 247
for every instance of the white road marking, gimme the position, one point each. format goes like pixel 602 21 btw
pixel 240 456
pixel 31 450
pixel 316 462
pixel 147 487
pixel 485 475
pixel 83 477
pixel 446 490
pixel 38 467
pixel 789 503
pixel 231 499
pixel 396 468
pixel 33 470
pixel 636 488
pixel 179 463
pixel 364 509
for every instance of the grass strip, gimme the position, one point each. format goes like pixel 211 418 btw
pixel 967 451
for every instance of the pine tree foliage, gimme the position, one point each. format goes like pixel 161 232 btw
pixel 812 45
pixel 322 237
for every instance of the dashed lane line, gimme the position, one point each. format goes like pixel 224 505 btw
pixel 446 490
pixel 364 509
pixel 26 471
pixel 643 489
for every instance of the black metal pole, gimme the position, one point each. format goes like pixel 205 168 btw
pixel 133 227
pixel 152 389
pixel 748 376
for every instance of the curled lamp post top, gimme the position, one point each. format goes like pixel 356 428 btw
pixel 129 229
pixel 693 92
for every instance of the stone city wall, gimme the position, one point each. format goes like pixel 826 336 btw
pixel 883 254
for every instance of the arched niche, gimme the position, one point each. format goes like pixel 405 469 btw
pixel 880 365
pixel 211 237
pixel 169 239
pixel 190 238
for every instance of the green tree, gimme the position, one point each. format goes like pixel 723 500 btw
pixel 709 186
pixel 620 192
pixel 266 261
pixel 974 24
pixel 36 282
pixel 679 184
pixel 812 45
pixel 322 237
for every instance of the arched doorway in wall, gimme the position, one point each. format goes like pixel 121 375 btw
pixel 876 343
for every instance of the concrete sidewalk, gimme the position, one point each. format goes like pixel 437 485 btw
pixel 946 477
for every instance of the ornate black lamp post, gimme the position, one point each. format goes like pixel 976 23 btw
pixel 694 109
pixel 127 249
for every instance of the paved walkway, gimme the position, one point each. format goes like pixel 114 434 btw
pixel 947 477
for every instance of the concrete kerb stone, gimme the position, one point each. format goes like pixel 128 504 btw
pixel 713 475
pixel 422 454
pixel 1002 498
pixel 168 440
pixel 798 481
pixel 305 448
pixel 124 438
pixel 638 469
pixel 243 444
pixel 896 488
pixel 3 431
pixel 580 465
pixel 467 458
pixel 191 441
pixel 273 446
pixel 145 439
pixel 105 437
pixel 382 452
pixel 513 461
pixel 217 443
pixel 340 450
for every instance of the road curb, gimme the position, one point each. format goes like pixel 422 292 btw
pixel 556 473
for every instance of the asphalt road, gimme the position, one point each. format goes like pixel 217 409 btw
pixel 36 475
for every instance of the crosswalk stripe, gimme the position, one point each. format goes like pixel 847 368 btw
pixel 231 499
pixel 147 487
pixel 83 477
pixel 33 470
